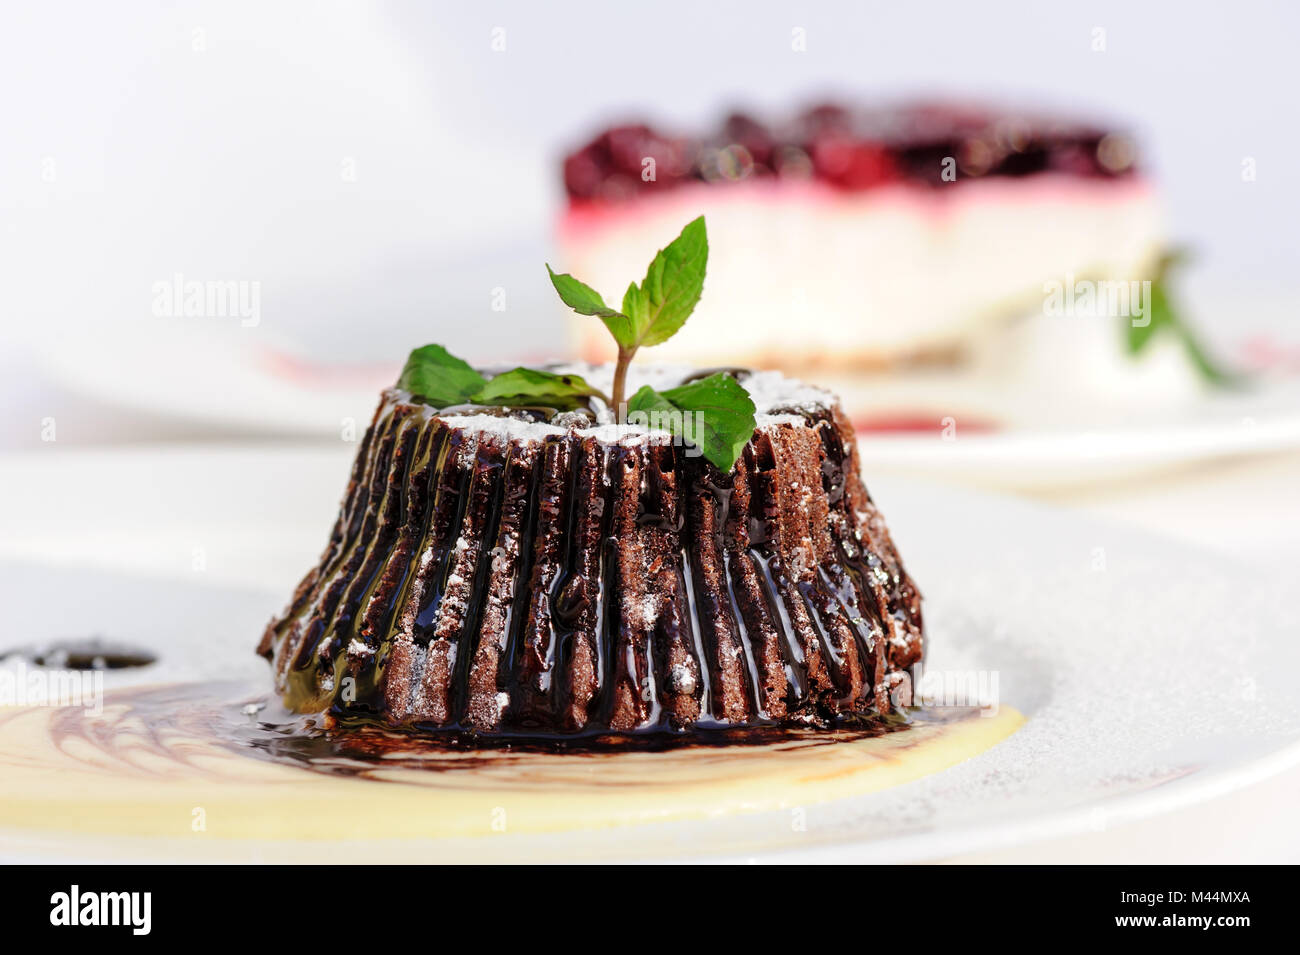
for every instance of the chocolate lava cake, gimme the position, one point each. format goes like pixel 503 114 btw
pixel 531 573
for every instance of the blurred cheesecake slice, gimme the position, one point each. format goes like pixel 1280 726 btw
pixel 862 240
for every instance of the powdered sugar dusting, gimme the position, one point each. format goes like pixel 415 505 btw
pixel 778 401
pixel 517 430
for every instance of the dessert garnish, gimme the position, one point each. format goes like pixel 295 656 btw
pixel 715 413
pixel 1166 320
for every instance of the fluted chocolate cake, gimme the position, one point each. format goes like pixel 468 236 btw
pixel 583 551
pixel 534 572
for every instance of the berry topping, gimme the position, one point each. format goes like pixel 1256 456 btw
pixel 936 144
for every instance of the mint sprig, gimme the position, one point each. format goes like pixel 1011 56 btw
pixel 1164 319
pixel 653 311
pixel 716 414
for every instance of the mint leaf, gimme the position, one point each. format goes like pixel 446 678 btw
pixel 530 386
pixel 439 377
pixel 672 287
pixel 1138 336
pixel 716 414
pixel 585 300
pixel 1165 319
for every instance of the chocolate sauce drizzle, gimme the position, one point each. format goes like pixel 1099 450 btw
pixel 570 587
pixel 89 653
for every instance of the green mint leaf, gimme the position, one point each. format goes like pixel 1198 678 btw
pixel 439 377
pixel 1138 337
pixel 585 300
pixel 1165 319
pixel 671 288
pixel 532 387
pixel 716 414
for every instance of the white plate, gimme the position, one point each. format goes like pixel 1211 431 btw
pixel 1152 675
pixel 1218 425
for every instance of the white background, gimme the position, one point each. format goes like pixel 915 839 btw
pixel 209 139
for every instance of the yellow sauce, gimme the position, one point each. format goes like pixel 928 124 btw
pixel 127 783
